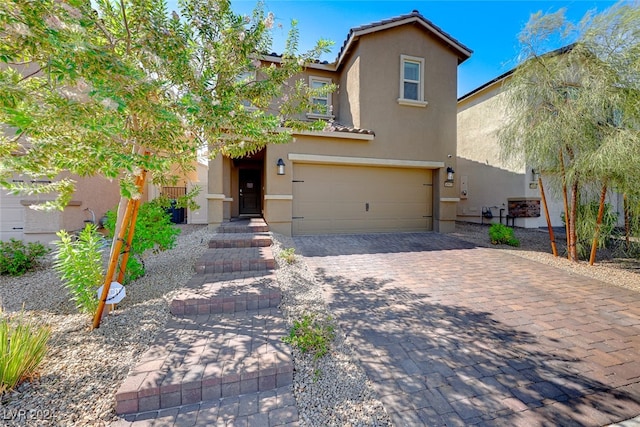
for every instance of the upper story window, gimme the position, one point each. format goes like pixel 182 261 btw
pixel 321 103
pixel 246 77
pixel 412 81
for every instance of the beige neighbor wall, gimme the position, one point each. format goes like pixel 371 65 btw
pixel 484 179
pixel 95 193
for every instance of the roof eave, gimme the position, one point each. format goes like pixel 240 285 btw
pixel 464 52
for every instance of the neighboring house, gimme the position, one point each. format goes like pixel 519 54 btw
pixel 380 164
pixel 93 197
pixel 489 188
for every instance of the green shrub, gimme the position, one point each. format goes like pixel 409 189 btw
pixel 16 257
pixel 311 335
pixel 79 263
pixel 501 234
pixel 23 345
pixel 154 232
pixel 586 219
pixel 288 255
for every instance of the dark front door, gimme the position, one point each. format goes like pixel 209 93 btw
pixel 250 191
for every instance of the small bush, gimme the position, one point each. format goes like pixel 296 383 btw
pixel 311 335
pixel 23 345
pixel 288 255
pixel 154 231
pixel 586 221
pixel 79 263
pixel 501 234
pixel 16 257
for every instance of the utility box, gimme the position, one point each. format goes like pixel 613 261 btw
pixel 524 207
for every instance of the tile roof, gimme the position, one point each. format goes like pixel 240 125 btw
pixel 337 127
pixel 414 16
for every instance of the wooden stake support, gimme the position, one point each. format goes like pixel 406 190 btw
pixel 552 237
pixel 567 216
pixel 596 234
pixel 128 224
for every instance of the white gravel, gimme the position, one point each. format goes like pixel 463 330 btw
pixel 334 390
pixel 84 368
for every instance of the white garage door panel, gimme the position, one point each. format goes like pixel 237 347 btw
pixel 11 217
pixel 352 199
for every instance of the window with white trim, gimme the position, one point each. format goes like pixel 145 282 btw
pixel 411 80
pixel 246 77
pixel 321 104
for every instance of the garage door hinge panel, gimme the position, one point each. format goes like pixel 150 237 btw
pixel 297 180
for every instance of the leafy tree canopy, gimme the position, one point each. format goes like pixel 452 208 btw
pixel 582 100
pixel 574 113
pixel 112 87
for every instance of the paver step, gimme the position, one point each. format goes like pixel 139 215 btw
pixel 208 357
pixel 224 293
pixel 226 260
pixel 248 225
pixel 264 408
pixel 240 240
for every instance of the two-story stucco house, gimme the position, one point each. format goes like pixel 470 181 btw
pixel 381 162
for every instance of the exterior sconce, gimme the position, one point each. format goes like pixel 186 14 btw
pixel 450 173
pixel 449 181
pixel 535 174
pixel 280 165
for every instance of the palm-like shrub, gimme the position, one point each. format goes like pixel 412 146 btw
pixel 79 263
pixel 23 345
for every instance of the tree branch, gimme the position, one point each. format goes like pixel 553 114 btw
pixel 28 76
pixel 105 32
pixel 126 26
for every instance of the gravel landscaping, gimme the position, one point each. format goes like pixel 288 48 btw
pixel 84 367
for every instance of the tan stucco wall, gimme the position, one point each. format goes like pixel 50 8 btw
pixel 491 181
pixel 409 132
pixel 95 193
pixel 349 91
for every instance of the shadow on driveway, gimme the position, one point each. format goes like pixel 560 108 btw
pixel 454 352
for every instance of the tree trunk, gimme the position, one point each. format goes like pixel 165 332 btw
pixel 552 237
pixel 627 225
pixel 594 245
pixel 573 249
pixel 567 215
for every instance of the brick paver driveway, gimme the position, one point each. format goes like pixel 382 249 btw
pixel 453 334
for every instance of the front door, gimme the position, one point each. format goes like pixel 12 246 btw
pixel 250 191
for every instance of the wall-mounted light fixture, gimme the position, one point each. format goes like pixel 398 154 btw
pixel 449 181
pixel 450 173
pixel 280 165
pixel 535 175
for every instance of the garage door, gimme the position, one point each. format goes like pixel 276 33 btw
pixel 11 217
pixel 353 199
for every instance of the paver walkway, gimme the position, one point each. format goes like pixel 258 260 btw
pixel 453 334
pixel 220 359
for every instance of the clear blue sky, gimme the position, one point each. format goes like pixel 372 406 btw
pixel 489 28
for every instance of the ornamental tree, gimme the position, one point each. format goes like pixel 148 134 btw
pixel 89 86
pixel 118 87
pixel 574 112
